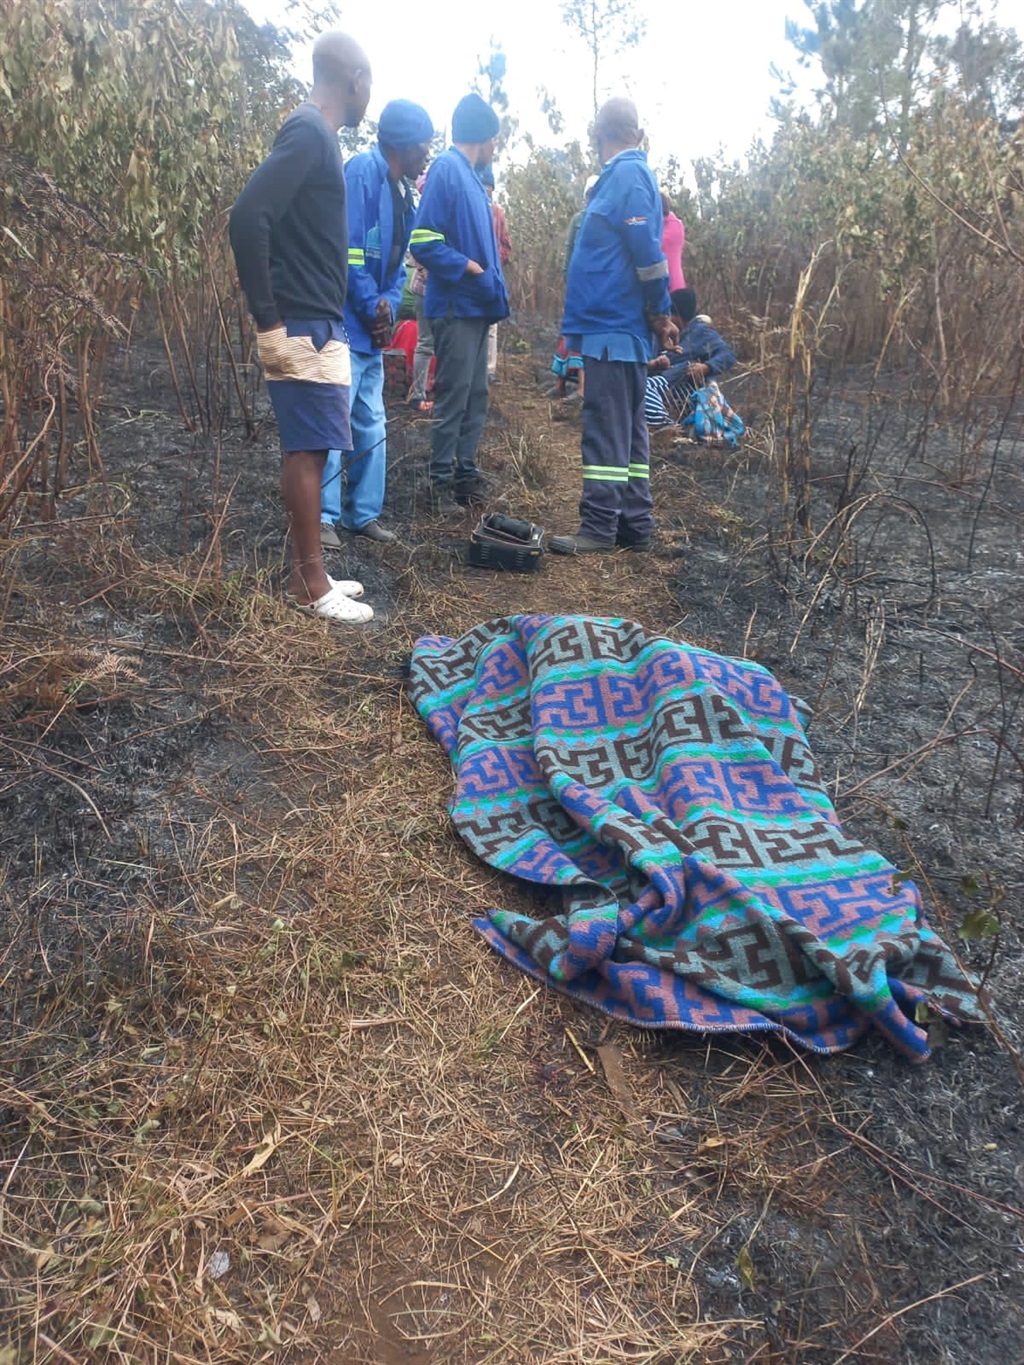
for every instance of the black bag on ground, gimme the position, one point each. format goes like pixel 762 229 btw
pixel 501 542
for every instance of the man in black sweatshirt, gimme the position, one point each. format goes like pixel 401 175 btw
pixel 290 239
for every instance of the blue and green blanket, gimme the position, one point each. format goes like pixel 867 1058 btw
pixel 672 795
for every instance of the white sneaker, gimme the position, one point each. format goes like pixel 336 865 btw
pixel 336 606
pixel 349 586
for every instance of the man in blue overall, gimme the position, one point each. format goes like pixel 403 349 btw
pixel 380 214
pixel 454 241
pixel 616 295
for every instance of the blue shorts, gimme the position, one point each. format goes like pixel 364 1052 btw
pixel 308 371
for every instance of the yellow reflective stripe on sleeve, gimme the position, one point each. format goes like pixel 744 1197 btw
pixel 356 256
pixel 639 471
pixel 421 235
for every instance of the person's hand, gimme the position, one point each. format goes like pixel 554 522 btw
pixel 272 350
pixel 699 371
pixel 665 330
pixel 473 268
pixel 380 331
pixel 660 362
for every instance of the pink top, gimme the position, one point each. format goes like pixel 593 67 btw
pixel 673 239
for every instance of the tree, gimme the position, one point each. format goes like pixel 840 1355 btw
pixel 873 55
pixel 607 27
pixel 549 108
pixel 987 64
pixel 492 70
pixel 359 139
pixel 156 110
pixel 126 129
pixel 541 196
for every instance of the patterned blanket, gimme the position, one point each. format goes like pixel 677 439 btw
pixel 672 795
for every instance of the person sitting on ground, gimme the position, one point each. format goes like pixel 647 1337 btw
pixel 616 296
pixel 290 242
pixel 699 355
pixel 568 365
pixel 380 214
pixel 454 241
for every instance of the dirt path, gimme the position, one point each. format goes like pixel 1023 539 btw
pixel 266 1093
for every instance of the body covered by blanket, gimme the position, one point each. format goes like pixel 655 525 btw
pixel 672 794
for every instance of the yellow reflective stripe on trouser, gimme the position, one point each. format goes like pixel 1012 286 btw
pixel 421 235
pixel 606 473
pixel 356 256
pixel 639 471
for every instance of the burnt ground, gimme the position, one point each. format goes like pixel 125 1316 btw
pixel 236 920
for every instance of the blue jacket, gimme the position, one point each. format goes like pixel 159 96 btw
pixel 699 343
pixel 618 273
pixel 454 224
pixel 372 232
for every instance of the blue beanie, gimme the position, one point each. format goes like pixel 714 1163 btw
pixel 474 120
pixel 403 124
pixel 486 174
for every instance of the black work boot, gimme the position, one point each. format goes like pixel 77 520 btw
pixel 474 492
pixel 578 544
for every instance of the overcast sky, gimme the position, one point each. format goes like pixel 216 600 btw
pixel 701 76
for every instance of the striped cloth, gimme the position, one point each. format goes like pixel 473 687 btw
pixel 665 403
pixel 671 794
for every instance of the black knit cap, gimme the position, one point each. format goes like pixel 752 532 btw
pixel 474 120
pixel 684 303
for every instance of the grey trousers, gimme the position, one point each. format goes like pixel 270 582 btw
pixel 460 398
pixel 422 355
pixel 616 498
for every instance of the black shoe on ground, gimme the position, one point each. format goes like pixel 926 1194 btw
pixel 329 538
pixel 441 495
pixel 373 530
pixel 627 540
pixel 474 494
pixel 578 545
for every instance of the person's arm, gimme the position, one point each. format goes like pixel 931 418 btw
pixel 362 205
pixel 428 242
pixel 719 357
pixel 271 189
pixel 640 227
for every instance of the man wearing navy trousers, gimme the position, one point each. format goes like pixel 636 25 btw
pixel 616 296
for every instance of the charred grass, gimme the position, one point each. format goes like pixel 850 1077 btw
pixel 265 1094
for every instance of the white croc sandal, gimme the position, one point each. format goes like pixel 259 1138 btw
pixel 336 606
pixel 349 586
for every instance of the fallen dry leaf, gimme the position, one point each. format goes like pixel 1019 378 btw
pixel 267 1148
